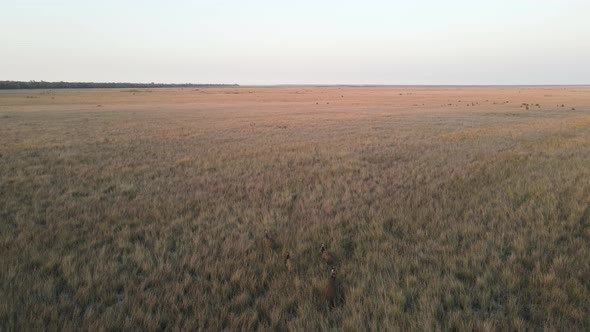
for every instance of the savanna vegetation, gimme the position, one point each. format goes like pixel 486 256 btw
pixel 441 208
pixel 15 85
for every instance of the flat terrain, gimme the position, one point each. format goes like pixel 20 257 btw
pixel 444 208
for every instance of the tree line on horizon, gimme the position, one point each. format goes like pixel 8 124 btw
pixel 6 85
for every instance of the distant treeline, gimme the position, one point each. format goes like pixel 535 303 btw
pixel 4 85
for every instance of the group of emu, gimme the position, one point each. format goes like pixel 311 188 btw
pixel 332 291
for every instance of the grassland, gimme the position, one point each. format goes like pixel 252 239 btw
pixel 446 208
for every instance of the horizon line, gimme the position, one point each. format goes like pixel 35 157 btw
pixel 210 84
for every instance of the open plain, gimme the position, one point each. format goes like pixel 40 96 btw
pixel 443 208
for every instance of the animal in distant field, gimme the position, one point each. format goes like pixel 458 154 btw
pixel 327 257
pixel 269 242
pixel 331 290
pixel 290 263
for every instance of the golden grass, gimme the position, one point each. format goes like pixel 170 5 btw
pixel 446 208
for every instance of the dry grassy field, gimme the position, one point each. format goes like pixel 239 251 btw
pixel 443 208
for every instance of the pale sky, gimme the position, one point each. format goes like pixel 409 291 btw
pixel 297 42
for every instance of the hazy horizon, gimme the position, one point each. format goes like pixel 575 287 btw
pixel 305 43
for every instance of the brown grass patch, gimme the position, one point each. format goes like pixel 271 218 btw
pixel 150 211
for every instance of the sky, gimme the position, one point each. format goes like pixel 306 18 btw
pixel 260 42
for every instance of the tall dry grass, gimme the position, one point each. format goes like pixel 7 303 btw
pixel 446 208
